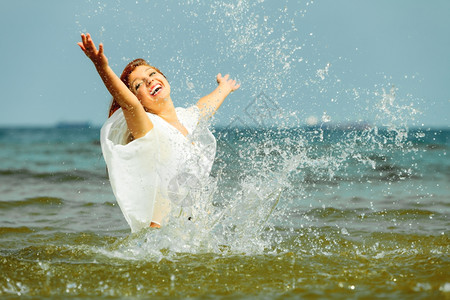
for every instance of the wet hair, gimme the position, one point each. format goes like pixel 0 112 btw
pixel 125 79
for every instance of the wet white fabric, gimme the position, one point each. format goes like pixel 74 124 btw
pixel 153 174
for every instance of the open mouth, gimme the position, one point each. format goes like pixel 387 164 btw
pixel 155 90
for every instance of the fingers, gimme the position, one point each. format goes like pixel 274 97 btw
pixel 83 38
pixel 82 43
pixel 96 56
pixel 220 77
pixel 87 44
pixel 234 85
pixel 89 48
pixel 228 81
pixel 90 44
pixel 81 46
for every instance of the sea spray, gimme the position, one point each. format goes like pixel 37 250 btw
pixel 268 165
pixel 262 183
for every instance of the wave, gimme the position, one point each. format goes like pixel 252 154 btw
pixel 15 230
pixel 67 176
pixel 150 245
pixel 93 204
pixel 38 201
pixel 367 214
pixel 44 201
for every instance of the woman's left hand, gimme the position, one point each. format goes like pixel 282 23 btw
pixel 225 82
pixel 209 104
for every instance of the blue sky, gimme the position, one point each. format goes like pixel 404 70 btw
pixel 379 61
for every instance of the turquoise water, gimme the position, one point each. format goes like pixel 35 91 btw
pixel 311 212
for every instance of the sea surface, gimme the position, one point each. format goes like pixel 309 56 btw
pixel 344 212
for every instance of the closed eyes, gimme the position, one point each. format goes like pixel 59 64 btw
pixel 137 86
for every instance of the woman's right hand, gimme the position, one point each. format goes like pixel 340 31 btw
pixel 96 56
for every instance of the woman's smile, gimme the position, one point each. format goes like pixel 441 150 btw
pixel 149 86
pixel 155 89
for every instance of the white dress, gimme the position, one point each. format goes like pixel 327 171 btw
pixel 152 174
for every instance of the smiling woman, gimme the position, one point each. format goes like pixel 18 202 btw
pixel 149 146
pixel 124 77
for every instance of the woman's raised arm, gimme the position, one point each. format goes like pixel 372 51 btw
pixel 209 104
pixel 137 120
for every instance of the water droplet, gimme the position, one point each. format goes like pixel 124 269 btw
pixel 326 118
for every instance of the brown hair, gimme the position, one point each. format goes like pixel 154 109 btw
pixel 124 77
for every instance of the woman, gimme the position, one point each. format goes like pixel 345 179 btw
pixel 154 151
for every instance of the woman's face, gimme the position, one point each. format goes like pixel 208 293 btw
pixel 149 86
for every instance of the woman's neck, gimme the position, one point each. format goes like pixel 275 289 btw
pixel 166 110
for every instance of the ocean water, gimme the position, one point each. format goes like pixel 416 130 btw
pixel 307 212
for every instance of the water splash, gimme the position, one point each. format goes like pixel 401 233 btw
pixel 260 188
pixel 263 177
